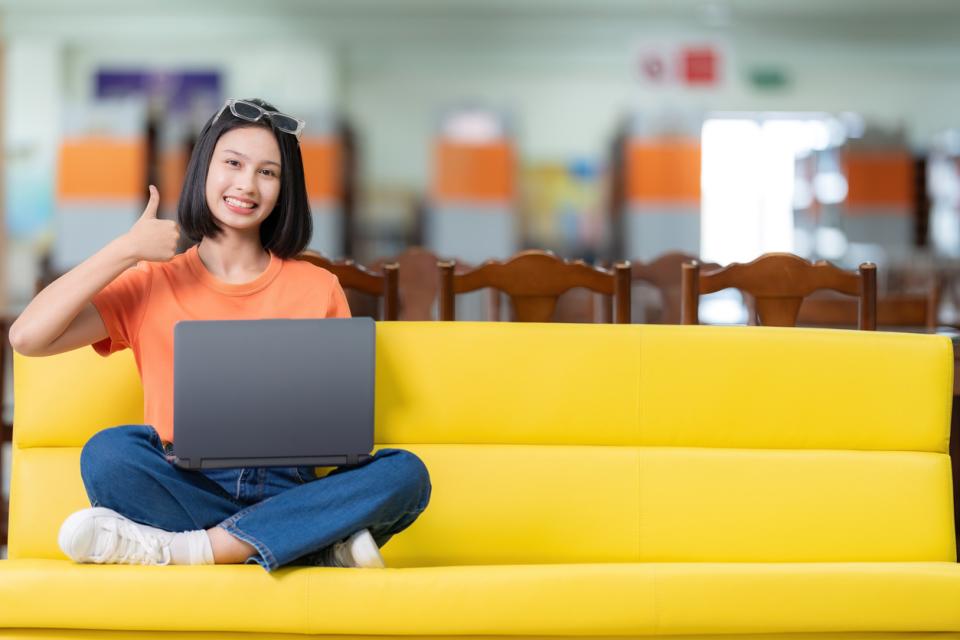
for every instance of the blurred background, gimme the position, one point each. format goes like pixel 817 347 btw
pixel 600 129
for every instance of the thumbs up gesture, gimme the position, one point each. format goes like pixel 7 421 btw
pixel 151 238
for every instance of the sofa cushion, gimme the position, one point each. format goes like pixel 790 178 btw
pixel 62 400
pixel 584 599
pixel 787 388
pixel 510 504
pixel 61 594
pixel 451 382
pixel 515 383
pixel 650 385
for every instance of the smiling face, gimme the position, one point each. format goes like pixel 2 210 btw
pixel 243 180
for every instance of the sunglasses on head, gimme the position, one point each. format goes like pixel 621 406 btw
pixel 253 112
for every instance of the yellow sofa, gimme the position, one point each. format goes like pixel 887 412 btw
pixel 588 480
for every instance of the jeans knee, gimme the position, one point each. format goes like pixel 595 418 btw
pixel 105 455
pixel 409 476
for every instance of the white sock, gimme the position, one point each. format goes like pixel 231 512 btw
pixel 191 547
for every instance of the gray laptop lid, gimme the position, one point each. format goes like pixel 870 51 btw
pixel 250 393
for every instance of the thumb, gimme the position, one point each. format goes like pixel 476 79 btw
pixel 152 204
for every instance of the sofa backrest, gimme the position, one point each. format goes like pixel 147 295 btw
pixel 599 443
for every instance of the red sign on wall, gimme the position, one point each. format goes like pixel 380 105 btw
pixel 699 66
pixel 675 64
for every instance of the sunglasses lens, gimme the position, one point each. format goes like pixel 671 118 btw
pixel 285 123
pixel 253 113
pixel 246 111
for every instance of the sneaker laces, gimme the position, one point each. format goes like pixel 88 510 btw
pixel 336 555
pixel 342 555
pixel 126 542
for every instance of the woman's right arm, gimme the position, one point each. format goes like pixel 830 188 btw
pixel 62 316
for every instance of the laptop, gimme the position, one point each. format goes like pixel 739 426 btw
pixel 261 393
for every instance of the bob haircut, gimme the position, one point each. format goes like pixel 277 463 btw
pixel 287 230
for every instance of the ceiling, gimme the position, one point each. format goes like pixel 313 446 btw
pixel 347 20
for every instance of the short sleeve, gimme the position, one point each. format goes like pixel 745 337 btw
pixel 337 307
pixel 122 305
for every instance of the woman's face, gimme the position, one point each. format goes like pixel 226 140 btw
pixel 243 180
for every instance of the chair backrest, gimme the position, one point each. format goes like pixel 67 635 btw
pixel 664 273
pixel 779 282
pixel 359 278
pixel 534 280
pixel 419 281
pixel 899 310
pixel 581 306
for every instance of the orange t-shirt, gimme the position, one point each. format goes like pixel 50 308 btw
pixel 141 306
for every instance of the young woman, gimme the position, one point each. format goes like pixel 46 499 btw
pixel 244 204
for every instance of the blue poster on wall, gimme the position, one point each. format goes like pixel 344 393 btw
pixel 176 92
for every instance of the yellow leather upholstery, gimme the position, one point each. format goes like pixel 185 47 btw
pixel 520 383
pixel 83 634
pixel 587 480
pixel 63 400
pixel 769 388
pixel 534 599
pixel 635 393
pixel 495 504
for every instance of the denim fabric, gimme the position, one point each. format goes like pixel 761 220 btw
pixel 286 513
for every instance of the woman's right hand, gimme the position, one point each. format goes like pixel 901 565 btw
pixel 151 238
pixel 62 316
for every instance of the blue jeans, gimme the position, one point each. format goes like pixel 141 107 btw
pixel 286 513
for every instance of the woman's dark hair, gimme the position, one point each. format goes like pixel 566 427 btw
pixel 288 228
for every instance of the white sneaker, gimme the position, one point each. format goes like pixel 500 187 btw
pixel 359 550
pixel 103 536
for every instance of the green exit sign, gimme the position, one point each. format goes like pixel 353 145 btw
pixel 768 78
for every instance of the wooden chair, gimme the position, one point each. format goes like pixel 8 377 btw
pixel 581 306
pixel 778 283
pixel 419 281
pixel 664 273
pixel 359 278
pixel 899 310
pixel 534 280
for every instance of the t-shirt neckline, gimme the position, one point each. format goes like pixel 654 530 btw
pixel 246 288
